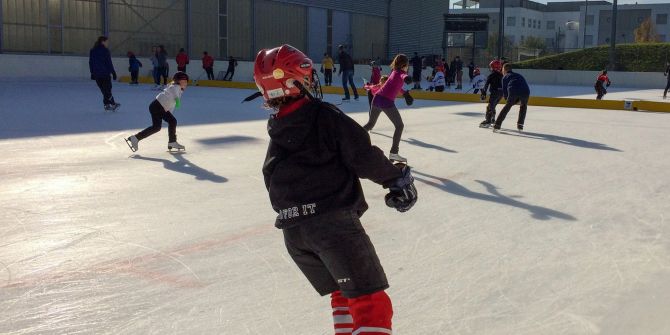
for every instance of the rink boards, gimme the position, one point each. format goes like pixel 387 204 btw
pixel 632 105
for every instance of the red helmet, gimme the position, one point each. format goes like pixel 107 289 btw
pixel 276 69
pixel 495 65
pixel 476 71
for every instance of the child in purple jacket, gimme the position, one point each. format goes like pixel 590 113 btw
pixel 384 101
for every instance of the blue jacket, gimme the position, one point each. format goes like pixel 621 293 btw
pixel 100 62
pixel 513 84
pixel 134 64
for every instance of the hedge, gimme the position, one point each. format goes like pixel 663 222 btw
pixel 648 57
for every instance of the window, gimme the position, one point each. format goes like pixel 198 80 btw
pixel 522 38
pixel 661 18
pixel 493 22
pixel 551 25
pixel 549 42
pixel 661 38
pixel 532 23
pixel 511 21
pixel 588 39
pixel 539 24
pixel 589 20
pixel 223 28
pixel 523 21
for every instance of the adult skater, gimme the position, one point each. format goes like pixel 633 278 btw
pixel 156 68
pixel 208 65
pixel 134 66
pixel 494 86
pixel 471 70
pixel 375 77
pixel 163 66
pixel 314 161
pixel 347 73
pixel 417 67
pixel 232 64
pixel 101 67
pixel 515 90
pixel 667 74
pixel 327 68
pixel 384 101
pixel 182 60
pixel 602 82
pixel 161 109
pixel 457 69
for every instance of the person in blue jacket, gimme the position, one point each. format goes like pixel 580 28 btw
pixel 100 64
pixel 134 66
pixel 515 91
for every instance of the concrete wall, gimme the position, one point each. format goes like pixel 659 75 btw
pixel 588 78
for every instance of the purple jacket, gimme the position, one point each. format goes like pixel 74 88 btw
pixel 393 85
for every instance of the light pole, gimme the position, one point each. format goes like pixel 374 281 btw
pixel 501 29
pixel 612 64
pixel 586 13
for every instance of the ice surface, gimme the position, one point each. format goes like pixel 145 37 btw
pixel 558 230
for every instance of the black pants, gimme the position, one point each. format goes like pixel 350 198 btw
pixel 231 72
pixel 133 76
pixel 210 73
pixel 393 115
pixel 667 87
pixel 181 68
pixel 163 72
pixel 158 114
pixel 335 253
pixel 105 85
pixel 600 91
pixel 370 97
pixel 439 88
pixel 511 101
pixel 494 99
pixel 328 77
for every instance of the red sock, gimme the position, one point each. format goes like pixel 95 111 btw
pixel 342 320
pixel 372 314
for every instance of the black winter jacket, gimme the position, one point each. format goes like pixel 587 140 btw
pixel 494 83
pixel 314 161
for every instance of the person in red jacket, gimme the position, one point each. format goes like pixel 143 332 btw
pixel 208 65
pixel 315 160
pixel 182 60
pixel 601 84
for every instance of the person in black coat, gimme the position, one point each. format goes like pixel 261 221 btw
pixel 101 67
pixel 417 67
pixel 457 71
pixel 667 74
pixel 232 63
pixel 347 72
pixel 516 91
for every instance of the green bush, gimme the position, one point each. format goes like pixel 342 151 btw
pixel 647 57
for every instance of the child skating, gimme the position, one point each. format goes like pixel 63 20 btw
pixel 601 84
pixel 494 86
pixel 478 81
pixel 161 109
pixel 315 158
pixel 515 91
pixel 384 101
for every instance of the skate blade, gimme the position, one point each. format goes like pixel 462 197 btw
pixel 130 145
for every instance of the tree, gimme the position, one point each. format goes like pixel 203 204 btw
pixel 646 32
pixel 492 45
pixel 533 42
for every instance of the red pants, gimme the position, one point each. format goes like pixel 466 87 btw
pixel 365 315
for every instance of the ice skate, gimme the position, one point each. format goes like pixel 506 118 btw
pixel 115 106
pixel 132 142
pixel 397 158
pixel 109 107
pixel 485 124
pixel 175 145
pixel 496 128
pixel 519 127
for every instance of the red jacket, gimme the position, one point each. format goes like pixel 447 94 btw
pixel 182 59
pixel 207 61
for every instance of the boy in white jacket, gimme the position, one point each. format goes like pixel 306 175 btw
pixel 165 103
pixel 437 82
pixel 478 81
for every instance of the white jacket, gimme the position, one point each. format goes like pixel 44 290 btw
pixel 479 81
pixel 438 80
pixel 169 96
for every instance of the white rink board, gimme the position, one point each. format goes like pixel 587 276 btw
pixel 559 230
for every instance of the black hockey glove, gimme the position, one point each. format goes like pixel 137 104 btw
pixel 408 98
pixel 402 195
pixel 608 84
pixel 483 96
pixel 407 80
pixel 114 75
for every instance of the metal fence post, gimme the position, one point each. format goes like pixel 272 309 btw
pixel 105 17
pixel 612 64
pixel 1 26
pixel 501 30
pixel 189 29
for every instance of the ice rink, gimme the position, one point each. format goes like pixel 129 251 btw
pixel 557 230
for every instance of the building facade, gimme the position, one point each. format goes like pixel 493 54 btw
pixel 599 25
pixel 222 27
